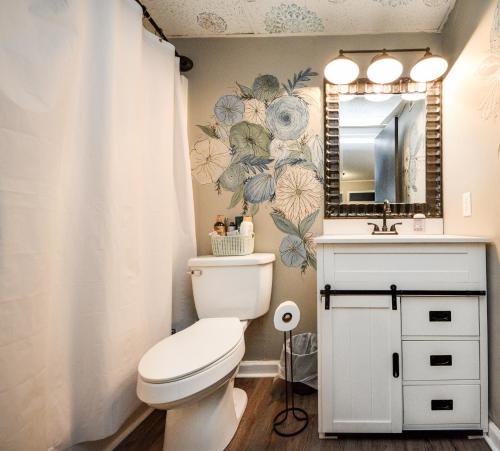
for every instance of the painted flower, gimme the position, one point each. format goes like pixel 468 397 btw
pixel 292 251
pixel 393 3
pixel 292 18
pixel 249 139
pixel 298 193
pixel 316 146
pixel 209 158
pixel 287 117
pixel 434 3
pixel 232 178
pixel 255 111
pixel 211 22
pixel 279 149
pixel 266 88
pixel 229 109
pixel 259 188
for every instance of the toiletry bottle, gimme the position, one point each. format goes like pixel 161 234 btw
pixel 238 220
pixel 246 227
pixel 231 227
pixel 419 222
pixel 219 226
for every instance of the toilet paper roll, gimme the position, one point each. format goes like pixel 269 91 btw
pixel 286 316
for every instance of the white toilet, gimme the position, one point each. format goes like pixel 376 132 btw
pixel 191 373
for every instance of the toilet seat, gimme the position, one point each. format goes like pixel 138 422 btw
pixel 190 361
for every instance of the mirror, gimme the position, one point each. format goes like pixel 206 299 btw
pixel 382 148
pixel 383 142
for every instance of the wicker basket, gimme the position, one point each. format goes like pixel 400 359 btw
pixel 223 246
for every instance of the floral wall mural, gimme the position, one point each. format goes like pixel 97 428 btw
pixel 264 145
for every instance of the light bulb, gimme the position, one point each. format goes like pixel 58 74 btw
pixel 384 68
pixel 413 96
pixel 341 70
pixel 428 68
pixel 377 97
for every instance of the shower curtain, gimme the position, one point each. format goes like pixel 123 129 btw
pixel 93 167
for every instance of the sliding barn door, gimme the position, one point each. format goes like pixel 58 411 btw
pixel 360 365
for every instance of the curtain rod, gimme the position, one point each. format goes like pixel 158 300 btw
pixel 185 63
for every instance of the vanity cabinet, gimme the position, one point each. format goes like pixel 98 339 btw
pixel 402 334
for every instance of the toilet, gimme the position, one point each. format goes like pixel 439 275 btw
pixel 191 373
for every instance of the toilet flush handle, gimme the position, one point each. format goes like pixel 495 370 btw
pixel 195 272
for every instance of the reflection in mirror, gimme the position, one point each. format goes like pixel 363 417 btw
pixel 382 148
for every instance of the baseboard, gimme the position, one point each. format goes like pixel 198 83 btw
pixel 258 368
pixel 493 436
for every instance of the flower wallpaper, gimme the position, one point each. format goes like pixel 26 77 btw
pixel 264 145
pixel 489 70
pixel 288 17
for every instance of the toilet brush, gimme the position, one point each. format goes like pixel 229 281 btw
pixel 286 318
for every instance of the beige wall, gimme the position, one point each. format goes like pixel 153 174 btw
pixel 219 62
pixel 471 124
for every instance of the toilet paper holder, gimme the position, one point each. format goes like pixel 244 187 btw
pixel 297 413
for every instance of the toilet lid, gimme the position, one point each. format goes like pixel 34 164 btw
pixel 191 350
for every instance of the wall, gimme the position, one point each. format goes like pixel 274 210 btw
pixel 219 63
pixel 471 125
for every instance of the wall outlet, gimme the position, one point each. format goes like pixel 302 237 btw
pixel 466 204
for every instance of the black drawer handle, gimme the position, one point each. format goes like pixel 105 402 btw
pixel 441 360
pixel 395 365
pixel 439 315
pixel 442 404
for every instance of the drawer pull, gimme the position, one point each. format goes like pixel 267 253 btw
pixel 442 404
pixel 439 315
pixel 395 365
pixel 441 360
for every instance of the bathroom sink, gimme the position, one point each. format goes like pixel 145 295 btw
pixel 377 239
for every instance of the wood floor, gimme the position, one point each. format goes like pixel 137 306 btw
pixel 255 430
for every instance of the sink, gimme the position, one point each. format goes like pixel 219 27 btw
pixel 364 239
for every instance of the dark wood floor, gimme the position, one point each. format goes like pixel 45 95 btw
pixel 255 430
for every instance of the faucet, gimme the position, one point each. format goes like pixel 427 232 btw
pixel 387 209
pixel 376 228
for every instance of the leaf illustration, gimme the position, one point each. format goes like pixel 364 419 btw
pixel 210 131
pixel 254 209
pixel 281 165
pixel 285 225
pixel 311 259
pixel 237 196
pixel 299 80
pixel 246 92
pixel 306 224
pixel 255 164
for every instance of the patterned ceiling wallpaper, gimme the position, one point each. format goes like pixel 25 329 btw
pixel 270 17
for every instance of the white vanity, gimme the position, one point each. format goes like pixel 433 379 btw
pixel 402 333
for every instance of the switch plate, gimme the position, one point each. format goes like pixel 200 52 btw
pixel 466 204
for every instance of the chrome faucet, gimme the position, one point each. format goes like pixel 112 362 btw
pixel 384 231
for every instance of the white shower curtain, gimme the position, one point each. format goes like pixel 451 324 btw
pixel 90 145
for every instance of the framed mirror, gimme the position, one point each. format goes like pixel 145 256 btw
pixel 383 142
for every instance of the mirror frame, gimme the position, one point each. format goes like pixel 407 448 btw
pixel 433 207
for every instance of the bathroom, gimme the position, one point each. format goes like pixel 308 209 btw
pixel 127 127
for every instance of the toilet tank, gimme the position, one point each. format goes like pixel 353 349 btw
pixel 238 286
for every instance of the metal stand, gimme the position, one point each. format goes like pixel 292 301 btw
pixel 298 414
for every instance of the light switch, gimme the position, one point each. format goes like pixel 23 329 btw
pixel 466 204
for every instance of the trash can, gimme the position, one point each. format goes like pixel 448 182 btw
pixel 305 363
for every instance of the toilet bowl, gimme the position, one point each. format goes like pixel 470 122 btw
pixel 191 373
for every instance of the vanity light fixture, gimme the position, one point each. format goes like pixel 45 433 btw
pixel 429 67
pixel 341 70
pixel 385 68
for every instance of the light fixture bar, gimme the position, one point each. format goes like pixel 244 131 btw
pixel 423 49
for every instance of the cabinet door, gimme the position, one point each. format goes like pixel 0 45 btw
pixel 360 347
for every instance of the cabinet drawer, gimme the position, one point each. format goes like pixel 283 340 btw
pixel 440 316
pixel 441 404
pixel 440 360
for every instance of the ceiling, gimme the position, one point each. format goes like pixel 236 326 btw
pixel 191 18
